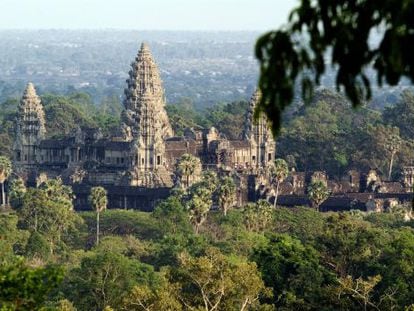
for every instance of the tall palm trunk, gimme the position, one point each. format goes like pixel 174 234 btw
pixel 35 217
pixel 391 164
pixel 3 195
pixel 276 194
pixel 97 228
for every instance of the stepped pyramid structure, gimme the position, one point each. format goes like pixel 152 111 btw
pixel 258 133
pixel 137 166
pixel 144 120
pixel 30 128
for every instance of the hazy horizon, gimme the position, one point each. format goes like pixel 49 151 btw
pixel 150 15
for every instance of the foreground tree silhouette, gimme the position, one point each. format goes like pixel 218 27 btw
pixel 5 171
pixel 296 53
pixel 98 199
pixel 318 192
pixel 279 173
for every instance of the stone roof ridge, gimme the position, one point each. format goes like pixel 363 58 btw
pixel 30 99
pixel 30 96
pixel 144 47
pixel 144 98
pixel 30 90
pixel 30 110
pixel 254 100
pixel 249 118
pixel 144 75
pixel 145 53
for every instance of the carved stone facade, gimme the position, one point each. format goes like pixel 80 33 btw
pixel 408 177
pixel 138 167
pixel 257 132
pixel 30 129
pixel 147 152
pixel 145 122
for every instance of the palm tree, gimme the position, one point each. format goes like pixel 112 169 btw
pixel 318 192
pixel 199 205
pixel 188 166
pixel 392 146
pixel 17 190
pixel 5 171
pixel 279 174
pixel 98 199
pixel 209 179
pixel 226 194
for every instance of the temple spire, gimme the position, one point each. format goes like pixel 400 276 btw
pixel 31 115
pixel 144 47
pixel 250 123
pixel 144 119
pixel 144 78
pixel 30 90
pixel 30 126
pixel 258 133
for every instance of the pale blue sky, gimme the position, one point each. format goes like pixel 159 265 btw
pixel 145 14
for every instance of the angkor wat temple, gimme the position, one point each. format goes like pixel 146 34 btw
pixel 137 164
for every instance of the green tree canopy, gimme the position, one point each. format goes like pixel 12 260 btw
pixel 318 192
pixel 293 271
pixel 26 288
pixel 104 279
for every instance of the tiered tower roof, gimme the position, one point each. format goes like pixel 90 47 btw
pixel 256 127
pixel 144 98
pixel 31 117
pixel 145 121
pixel 257 132
pixel 144 79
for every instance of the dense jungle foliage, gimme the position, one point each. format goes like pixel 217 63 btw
pixel 253 258
pixel 183 256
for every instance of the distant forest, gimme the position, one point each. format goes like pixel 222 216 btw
pixel 208 67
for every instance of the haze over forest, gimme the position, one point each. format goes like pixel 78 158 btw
pixel 207 67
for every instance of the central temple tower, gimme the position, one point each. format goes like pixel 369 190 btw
pixel 258 133
pixel 144 120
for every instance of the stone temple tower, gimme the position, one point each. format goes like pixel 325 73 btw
pixel 145 121
pixel 258 133
pixel 29 129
